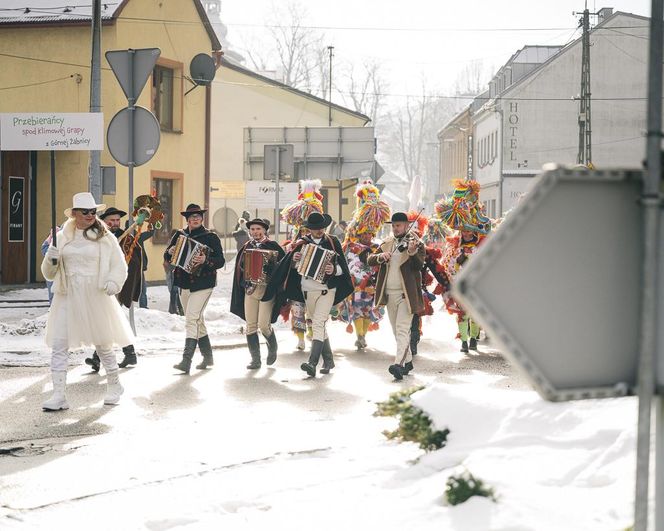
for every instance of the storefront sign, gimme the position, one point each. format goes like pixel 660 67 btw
pixel 227 189
pixel 261 194
pixel 16 209
pixel 81 131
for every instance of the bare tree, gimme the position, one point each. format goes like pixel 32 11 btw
pixel 297 52
pixel 363 88
pixel 411 127
pixel 473 79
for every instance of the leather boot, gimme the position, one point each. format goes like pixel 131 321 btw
pixel 94 361
pixel 396 371
pixel 58 400
pixel 187 355
pixel 206 349
pixel 464 346
pixel 255 350
pixel 472 345
pixel 113 388
pixel 314 357
pixel 129 356
pixel 271 348
pixel 328 359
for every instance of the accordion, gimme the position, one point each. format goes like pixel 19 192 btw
pixel 313 262
pixel 186 249
pixel 257 267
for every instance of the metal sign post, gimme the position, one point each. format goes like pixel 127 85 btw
pixel 651 203
pixel 282 155
pixel 133 134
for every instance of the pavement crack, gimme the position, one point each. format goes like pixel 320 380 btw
pixel 198 473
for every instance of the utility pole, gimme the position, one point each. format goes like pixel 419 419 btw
pixel 94 167
pixel 340 189
pixel 585 130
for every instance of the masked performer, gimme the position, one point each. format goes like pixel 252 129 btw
pixel 358 310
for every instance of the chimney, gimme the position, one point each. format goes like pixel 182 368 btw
pixel 603 14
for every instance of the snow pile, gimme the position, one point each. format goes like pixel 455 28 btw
pixel 553 465
pixel 26 327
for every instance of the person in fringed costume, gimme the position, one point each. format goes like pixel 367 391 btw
pixel 464 214
pixel 309 200
pixel 358 310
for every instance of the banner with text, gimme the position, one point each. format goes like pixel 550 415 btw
pixel 79 131
pixel 261 194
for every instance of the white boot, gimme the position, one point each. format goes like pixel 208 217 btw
pixel 58 401
pixel 113 388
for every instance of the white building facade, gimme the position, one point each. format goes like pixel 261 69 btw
pixel 531 121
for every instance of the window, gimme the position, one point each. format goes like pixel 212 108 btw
pixel 162 84
pixel 167 94
pixel 164 190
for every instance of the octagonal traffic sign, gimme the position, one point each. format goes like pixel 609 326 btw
pixel 558 284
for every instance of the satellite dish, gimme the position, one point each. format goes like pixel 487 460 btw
pixel 202 69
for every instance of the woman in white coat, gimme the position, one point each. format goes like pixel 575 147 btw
pixel 87 269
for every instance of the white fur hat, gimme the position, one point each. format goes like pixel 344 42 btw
pixel 83 200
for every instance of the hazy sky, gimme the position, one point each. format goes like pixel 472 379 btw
pixel 434 39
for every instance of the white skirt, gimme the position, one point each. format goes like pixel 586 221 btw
pixel 86 316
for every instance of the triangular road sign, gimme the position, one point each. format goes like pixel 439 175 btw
pixel 132 68
pixel 558 286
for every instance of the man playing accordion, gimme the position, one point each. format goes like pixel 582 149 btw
pixel 196 285
pixel 319 282
pixel 254 264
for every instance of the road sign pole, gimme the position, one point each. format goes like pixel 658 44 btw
pixel 651 208
pixel 277 149
pixel 131 106
pixel 53 232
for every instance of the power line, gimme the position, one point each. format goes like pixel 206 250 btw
pixel 38 83
pixel 385 94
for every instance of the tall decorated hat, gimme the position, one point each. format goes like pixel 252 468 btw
pixel 308 201
pixel 453 212
pixel 370 213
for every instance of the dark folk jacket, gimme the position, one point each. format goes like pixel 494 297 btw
pixel 131 289
pixel 286 282
pixel 411 275
pixel 207 276
pixel 238 293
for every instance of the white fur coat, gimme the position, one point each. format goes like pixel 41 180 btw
pixel 112 265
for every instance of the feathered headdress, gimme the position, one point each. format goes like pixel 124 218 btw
pixel 309 200
pixel 453 212
pixel 371 213
pixel 468 191
pixel 421 224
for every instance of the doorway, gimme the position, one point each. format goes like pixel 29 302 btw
pixel 14 172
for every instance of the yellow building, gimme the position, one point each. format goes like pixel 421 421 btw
pixel 45 67
pixel 242 100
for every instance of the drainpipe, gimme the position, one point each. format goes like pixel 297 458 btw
pixel 208 134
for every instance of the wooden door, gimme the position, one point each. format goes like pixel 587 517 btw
pixel 14 170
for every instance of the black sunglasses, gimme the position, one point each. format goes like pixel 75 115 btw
pixel 86 211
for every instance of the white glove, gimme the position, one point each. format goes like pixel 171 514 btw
pixel 111 288
pixel 53 253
